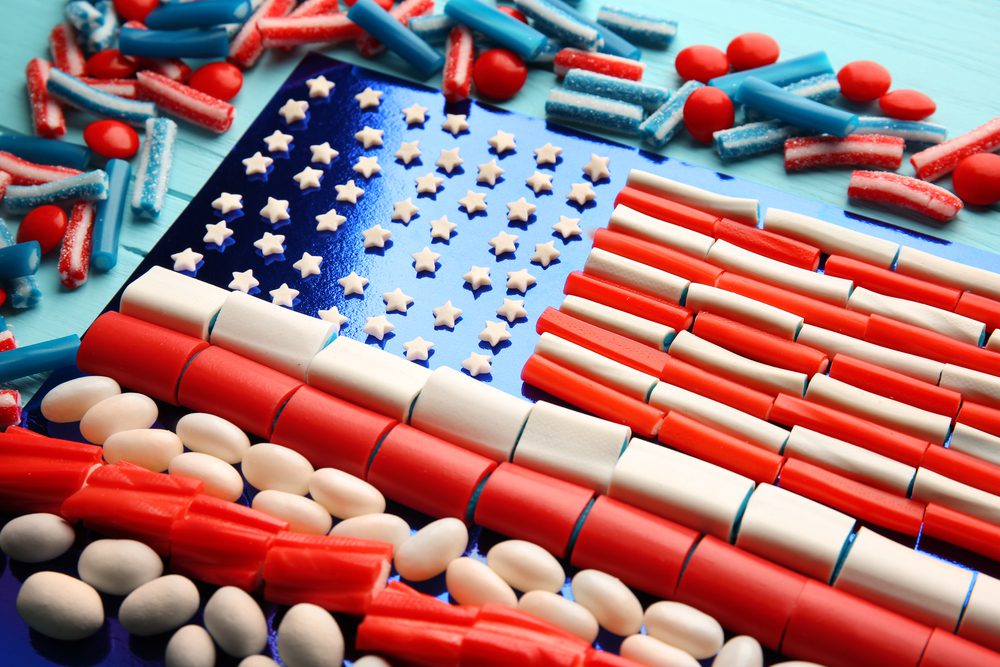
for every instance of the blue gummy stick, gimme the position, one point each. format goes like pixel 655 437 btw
pixel 152 175
pixel 211 43
pixel 599 112
pixel 398 38
pixel 108 218
pixel 89 186
pixel 822 88
pixel 643 29
pixel 84 96
pixel 201 14
pixel 799 111
pixel 559 24
pixel 23 291
pixel 780 73
pixel 20 259
pixel 502 28
pixel 661 126
pixel 646 95
pixel 38 358
pixel 45 151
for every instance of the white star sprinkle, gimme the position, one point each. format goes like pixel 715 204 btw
pixel 333 316
pixel 320 86
pixel 477 364
pixel 367 166
pixel 473 202
pixel 425 260
pixel 308 178
pixel 186 260
pixel 217 233
pixel 408 151
pixel 323 153
pixel 428 184
pixel 270 244
pixel 597 168
pixel 353 284
pixel 257 164
pixel 545 253
pixel 243 281
pixel 375 237
pixel 417 349
pixel 581 193
pixel 284 295
pixel 520 210
pixel 378 326
pixel 329 221
pixel 446 315
pixel 368 98
pixel 512 310
pixel 403 211
pixel 278 142
pixel 308 265
pixel 396 301
pixel 276 210
pixel 568 227
pixel 489 172
pixel 547 154
pixel 455 123
pixel 442 228
pixel 294 110
pixel 494 333
pixel 478 276
pixel 503 243
pixel 449 159
pixel 502 142
pixel 540 182
pixel 520 280
pixel 348 192
pixel 369 137
pixel 415 114
pixel 227 203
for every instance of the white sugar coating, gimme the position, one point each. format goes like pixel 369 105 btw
pixel 302 514
pixel 637 22
pixel 310 637
pixel 611 602
pixel 221 479
pixel 120 412
pixel 343 495
pixel 209 434
pixel 190 646
pixel 149 448
pixel 60 606
pixel 118 567
pixel 472 582
pixel 428 552
pixel 236 622
pixel 387 528
pixel 526 566
pixel 599 104
pixel 69 401
pixel 269 466
pixel 158 606
pixel 36 538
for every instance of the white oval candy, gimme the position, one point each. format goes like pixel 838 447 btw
pixel 344 495
pixel 381 527
pixel 610 601
pixel 472 582
pixel 427 553
pixel 268 466
pixel 740 651
pixel 302 514
pixel 371 661
pixel 561 612
pixel 121 412
pixel 36 538
pixel 191 646
pixel 651 651
pixel 221 479
pixel 69 401
pixel 685 627
pixel 150 448
pixel 236 623
pixel 310 637
pixel 118 567
pixel 158 606
pixel 60 606
pixel 257 661
pixel 208 434
pixel 526 566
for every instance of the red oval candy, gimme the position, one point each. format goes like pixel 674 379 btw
pixel 110 64
pixel 906 104
pixel 45 224
pixel 976 179
pixel 701 63
pixel 499 74
pixel 111 139
pixel 134 10
pixel 513 12
pixel 752 49
pixel 707 110
pixel 863 80
pixel 222 80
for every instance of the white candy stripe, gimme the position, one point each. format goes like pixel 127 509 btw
pixel 596 366
pixel 830 238
pixel 737 208
pixel 831 343
pixel 974 442
pixel 850 460
pixel 172 300
pixel 637 275
pixel 913 262
pixel 932 487
pixel 626 324
pixel 632 222
pixel 743 309
pixel 938 320
pixel 973 385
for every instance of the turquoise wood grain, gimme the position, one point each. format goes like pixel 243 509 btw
pixel 947 49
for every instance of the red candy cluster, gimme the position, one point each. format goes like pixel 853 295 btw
pixel 865 81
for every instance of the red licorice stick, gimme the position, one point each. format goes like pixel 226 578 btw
pixel 682 374
pixel 974 534
pixel 759 345
pixel 964 468
pixel 947 650
pixel 602 63
pixel 368 46
pixel 668 210
pixel 287 32
pixel 925 343
pixel 980 416
pixel 852 497
pixel 24 172
pixel 792 411
pixel 981 308
pixel 127 88
pixel 663 258
pixel 37 474
pixel 894 385
pixel 460 52
pixel 814 312
pixel 768 244
pixel 247 46
pixel 74 254
pixel 185 102
pixel 46 112
pixel 591 396
pixel 708 444
pixel 66 53
pixel 891 283
pixel 855 150
pixel 617 296
pixel 613 346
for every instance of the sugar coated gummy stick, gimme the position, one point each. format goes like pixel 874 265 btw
pixel 211 43
pixel 74 255
pixel 89 186
pixel 127 88
pixel 249 43
pixel 934 162
pixel 560 24
pixel 911 131
pixel 904 192
pixel 865 150
pixel 22 290
pixel 661 126
pixel 152 175
pixel 643 29
pixel 752 139
pixel 66 53
pixel 24 172
pixel 789 107
pixel 316 7
pixel 5 180
pixel 780 73
pixel 610 41
pixel 593 111
pixel 821 88
pixel 38 358
pixel 45 151
pixel 75 92
pixel 46 112
pixel 433 28
pixel 185 102
pixel 108 218
pixel 646 95
pixel 387 29
pixel 102 35
pixel 369 46
pixel 603 63
pixel 503 29
pixel 202 14
pixel 323 29
pixel 456 81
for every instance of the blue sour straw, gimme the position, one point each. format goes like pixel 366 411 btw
pixel 38 358
pixel 799 111
pixel 503 29
pixel 108 218
pixel 780 73
pixel 201 14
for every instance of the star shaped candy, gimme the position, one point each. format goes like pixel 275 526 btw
pixel 581 193
pixel 257 164
pixel 540 182
pixel 597 168
pixel 294 110
pixel 494 333
pixel 308 178
pixel 227 203
pixel 455 123
pixel 348 192
pixel 369 137
pixel 367 166
pixel 217 233
pixel 449 160
pixel 428 184
pixel 415 114
pixel 489 172
pixel 547 154
pixel 396 301
pixel 403 211
pixel 568 227
pixel 512 310
pixel 276 210
pixel 319 86
pixel 378 326
pixel 323 153
pixel 270 244
pixel 353 284
pixel 478 276
pixel 503 243
pixel 408 151
pixel 477 364
pixel 376 236
pixel 520 210
pixel 284 295
pixel 473 202
pixel 446 315
pixel 545 253
pixel 442 228
pixel 186 260
pixel 333 316
pixel 329 221
pixel 278 142
pixel 425 260
pixel 243 281
pixel 368 98
pixel 520 281
pixel 308 265
pixel 418 349
pixel 501 142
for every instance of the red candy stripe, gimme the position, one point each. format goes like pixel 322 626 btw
pixel 964 468
pixel 980 308
pixel 769 244
pixel 856 150
pixel 891 283
pixel 369 47
pixel 708 444
pixel 185 102
pixel 602 63
pixel 66 53
pixel 611 294
pixel 127 88
pixel 925 343
pixel 23 172
pixel 947 650
pixel 317 7
pixel 934 162
pixel 74 256
pixel 287 32
pixel 981 417
pixel 456 81
pixel 668 210
pixel 759 345
pixel 46 113
pixel 246 48
pixel 652 254
pixel 910 193
pixel 734 394
pixel 37 474
pixel 974 534
pixel 894 385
